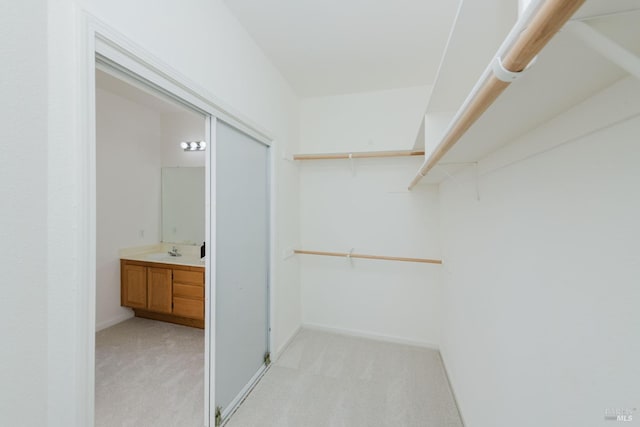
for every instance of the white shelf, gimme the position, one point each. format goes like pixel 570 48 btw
pixel 479 29
pixel 566 73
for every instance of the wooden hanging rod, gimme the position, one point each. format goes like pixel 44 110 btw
pixel 364 256
pixel 525 41
pixel 358 155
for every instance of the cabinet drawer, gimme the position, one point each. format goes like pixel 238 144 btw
pixel 186 307
pixel 189 291
pixel 191 277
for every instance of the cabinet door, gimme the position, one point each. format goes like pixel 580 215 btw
pixel 159 289
pixel 134 286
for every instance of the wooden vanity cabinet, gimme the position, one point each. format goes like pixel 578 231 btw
pixel 159 289
pixel 133 289
pixel 167 292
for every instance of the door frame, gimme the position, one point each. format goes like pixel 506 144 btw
pixel 99 40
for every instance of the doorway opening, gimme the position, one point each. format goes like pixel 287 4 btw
pixel 150 227
pixel 238 226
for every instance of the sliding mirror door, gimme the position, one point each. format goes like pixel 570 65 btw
pixel 242 264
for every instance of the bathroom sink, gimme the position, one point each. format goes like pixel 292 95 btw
pixel 159 256
pixel 165 257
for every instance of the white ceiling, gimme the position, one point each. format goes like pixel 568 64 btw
pixel 345 46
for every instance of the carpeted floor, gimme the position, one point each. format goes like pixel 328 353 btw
pixel 149 373
pixel 327 380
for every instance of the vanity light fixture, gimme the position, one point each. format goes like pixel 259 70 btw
pixel 193 145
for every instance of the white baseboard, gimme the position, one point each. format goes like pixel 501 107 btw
pixel 453 392
pixel 284 346
pixel 371 336
pixel 108 323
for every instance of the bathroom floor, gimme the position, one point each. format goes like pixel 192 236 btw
pixel 149 373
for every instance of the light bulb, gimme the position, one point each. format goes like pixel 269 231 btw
pixel 184 145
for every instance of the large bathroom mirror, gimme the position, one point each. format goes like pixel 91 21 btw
pixel 183 209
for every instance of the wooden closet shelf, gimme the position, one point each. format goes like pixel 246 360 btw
pixel 358 155
pixel 365 256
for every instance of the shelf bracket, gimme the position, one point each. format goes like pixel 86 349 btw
pixel 350 258
pixel 606 47
pixel 476 174
pixel 353 165
pixel 505 75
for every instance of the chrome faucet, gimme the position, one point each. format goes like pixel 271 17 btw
pixel 174 252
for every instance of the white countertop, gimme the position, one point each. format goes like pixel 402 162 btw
pixel 160 254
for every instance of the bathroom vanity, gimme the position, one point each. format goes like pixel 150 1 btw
pixel 165 281
pixel 160 287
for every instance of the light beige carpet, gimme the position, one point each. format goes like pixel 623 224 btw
pixel 149 373
pixel 327 380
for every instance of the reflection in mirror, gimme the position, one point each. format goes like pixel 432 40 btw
pixel 183 191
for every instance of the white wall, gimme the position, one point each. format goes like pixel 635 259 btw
pixel 370 121
pixel 23 213
pixel 216 53
pixel 541 297
pixel 128 195
pixel 371 211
